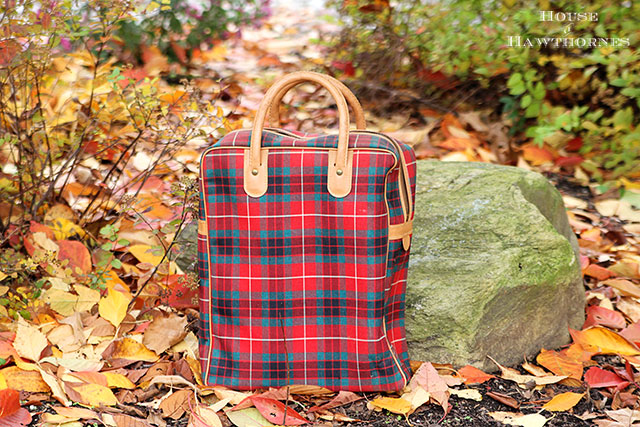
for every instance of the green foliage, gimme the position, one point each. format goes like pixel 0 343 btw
pixel 548 91
pixel 179 26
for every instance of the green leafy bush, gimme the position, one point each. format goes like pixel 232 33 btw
pixel 179 26
pixel 577 78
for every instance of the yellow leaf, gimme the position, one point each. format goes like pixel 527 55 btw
pixel 93 394
pixel 3 382
pixel 143 254
pixel 115 380
pixel 395 405
pixel 2 276
pixel 112 281
pixel 563 401
pixel 61 301
pixel 29 342
pixel 87 297
pixel 129 349
pixel 604 341
pixel 113 307
pixel 29 381
pixel 63 229
pixel 417 397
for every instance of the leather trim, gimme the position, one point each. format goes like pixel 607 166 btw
pixel 399 231
pixel 256 185
pixel 202 227
pixel 339 185
pixel 273 115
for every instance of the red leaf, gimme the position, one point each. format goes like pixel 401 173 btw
pixel 20 418
pixel 9 402
pixel 273 411
pixel 35 227
pixel 345 66
pixel 472 375
pixel 598 377
pixel 181 296
pixel 77 254
pixel 597 315
pixel 569 161
pixel 574 145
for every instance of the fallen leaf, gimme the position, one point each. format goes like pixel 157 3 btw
pixel 90 394
pixel 522 380
pixel 536 155
pixel 416 398
pixel 597 377
pixel 18 419
pixel 235 397
pixel 113 307
pixel 21 380
pixel 534 370
pixel 624 418
pixel 597 315
pixel 9 402
pixel 467 393
pixel 598 272
pixel 504 399
pixel 513 419
pixel 563 401
pixel 393 404
pixel 428 378
pixel 249 417
pixel 115 380
pixel 204 416
pixel 473 375
pixel 165 331
pixel 603 341
pixel 274 411
pixel 177 404
pixel 342 398
pixel 130 349
pixel 87 297
pixel 145 253
pixel 625 287
pixel 77 254
pixel 29 342
pixel 560 364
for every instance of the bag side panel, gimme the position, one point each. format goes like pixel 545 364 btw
pixel 398 262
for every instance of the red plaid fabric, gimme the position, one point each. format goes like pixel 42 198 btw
pixel 297 286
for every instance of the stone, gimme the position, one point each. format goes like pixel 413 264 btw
pixel 494 267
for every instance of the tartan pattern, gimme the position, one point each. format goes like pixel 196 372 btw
pixel 296 286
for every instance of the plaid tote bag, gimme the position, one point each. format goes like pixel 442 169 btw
pixel 303 245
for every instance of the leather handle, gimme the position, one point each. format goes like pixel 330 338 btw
pixel 340 160
pixel 358 113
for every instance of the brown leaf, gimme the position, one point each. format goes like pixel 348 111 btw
pixel 165 331
pixel 343 398
pixel 504 399
pixel 428 378
pixel 177 404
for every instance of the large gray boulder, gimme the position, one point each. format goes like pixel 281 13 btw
pixel 494 266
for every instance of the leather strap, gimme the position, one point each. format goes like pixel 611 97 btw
pixel 255 158
pixel 358 113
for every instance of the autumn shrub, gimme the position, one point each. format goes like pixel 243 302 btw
pixel 178 27
pixel 586 86
pixel 72 124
